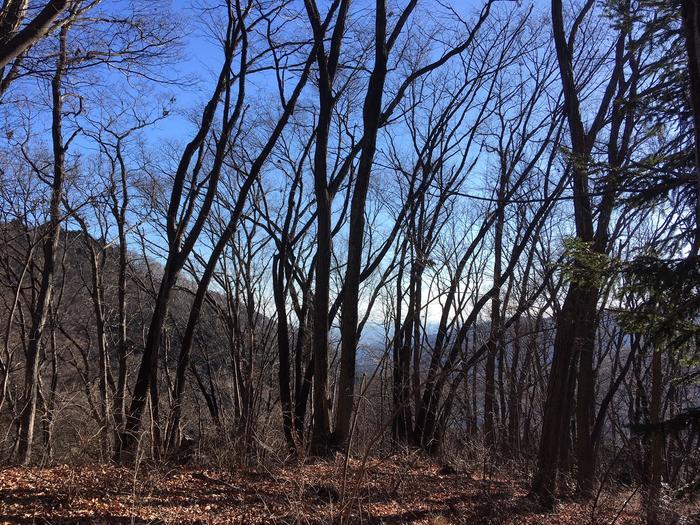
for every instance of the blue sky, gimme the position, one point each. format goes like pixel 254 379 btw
pixel 201 58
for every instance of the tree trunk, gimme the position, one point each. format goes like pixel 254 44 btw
pixel 514 393
pixel 30 33
pixel 494 344
pixel 556 415
pixel 147 370
pixel 691 27
pixel 327 67
pixel 351 286
pixel 657 442
pixel 50 245
pixel 585 395
pixel 283 349
pixel 119 212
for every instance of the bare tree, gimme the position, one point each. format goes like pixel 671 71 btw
pixel 18 36
pixel 576 323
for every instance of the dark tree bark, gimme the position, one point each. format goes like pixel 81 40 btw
pixel 180 244
pixel 657 442
pixel 229 230
pixel 34 30
pixel 50 244
pixel 494 343
pixel 327 63
pixel 691 28
pixel 371 115
pixel 119 209
pixel 577 321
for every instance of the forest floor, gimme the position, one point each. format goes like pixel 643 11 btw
pixel 389 491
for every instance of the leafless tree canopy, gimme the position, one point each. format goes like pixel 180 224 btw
pixel 242 231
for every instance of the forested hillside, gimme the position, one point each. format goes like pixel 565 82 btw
pixel 309 261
